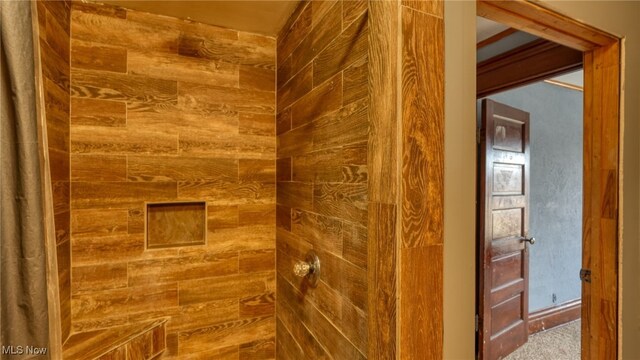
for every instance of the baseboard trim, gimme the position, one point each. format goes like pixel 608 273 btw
pixel 553 316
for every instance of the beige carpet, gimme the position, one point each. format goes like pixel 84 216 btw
pixel 560 343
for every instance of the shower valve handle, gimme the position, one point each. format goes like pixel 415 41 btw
pixel 308 269
pixel 302 268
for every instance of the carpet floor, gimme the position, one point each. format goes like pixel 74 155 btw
pixel 559 343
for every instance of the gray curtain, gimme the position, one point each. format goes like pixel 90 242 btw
pixel 23 317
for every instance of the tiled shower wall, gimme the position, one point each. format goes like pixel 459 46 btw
pixel 168 110
pixel 323 130
pixel 53 27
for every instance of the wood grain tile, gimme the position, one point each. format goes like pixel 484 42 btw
pixel 187 267
pixel 180 68
pixel 354 244
pixel 181 119
pixel 231 333
pixel 225 287
pixel 257 170
pixel 98 112
pixel 355 79
pixel 56 32
pixel 293 194
pixel 99 277
pixel 351 45
pixel 100 140
pixel 351 10
pixel 257 260
pixel 257 214
pixel 283 169
pixel 54 67
pixel 99 222
pixel 98 167
pixel 283 217
pixel 322 99
pixel 331 165
pixel 258 306
pixel 291 37
pixel 101 195
pixel 319 37
pixel 257 124
pixel 322 232
pixel 296 87
pixel 93 56
pixel 241 51
pixel 93 250
pixel 221 217
pixel 426 289
pixel 283 121
pixel 176 224
pixel 346 126
pixel 294 340
pixel 296 141
pixel 423 127
pixel 258 350
pixel 94 84
pixel 128 300
pixel 201 97
pixel 171 168
pixel 198 315
pixel 228 193
pixel 432 7
pixel 97 27
pixel 257 78
pixel 346 201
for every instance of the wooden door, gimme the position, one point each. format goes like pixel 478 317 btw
pixel 503 256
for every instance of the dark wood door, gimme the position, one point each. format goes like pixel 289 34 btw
pixel 503 256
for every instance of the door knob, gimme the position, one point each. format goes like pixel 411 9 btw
pixel 309 268
pixel 530 240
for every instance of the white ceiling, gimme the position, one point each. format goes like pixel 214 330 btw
pixel 265 17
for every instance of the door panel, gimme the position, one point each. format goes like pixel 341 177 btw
pixel 503 254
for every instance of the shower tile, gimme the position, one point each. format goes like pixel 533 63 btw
pixel 351 45
pixel 321 100
pixel 257 214
pixel 227 334
pixel 176 224
pixel 93 56
pixel 195 316
pixel 98 167
pixel 101 195
pixel 259 349
pixel 172 168
pixel 257 78
pixel 258 305
pixel 168 270
pixel 99 277
pixel 257 170
pixel 257 260
pixel 180 68
pixel 292 36
pixel 98 112
pixel 257 124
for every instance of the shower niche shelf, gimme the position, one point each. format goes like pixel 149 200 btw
pixel 170 224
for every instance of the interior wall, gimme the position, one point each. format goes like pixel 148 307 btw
pixel 322 173
pixel 555 198
pixel 617 17
pixel 169 110
pixel 54 29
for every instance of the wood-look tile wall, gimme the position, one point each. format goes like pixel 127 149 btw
pixel 406 162
pixel 169 110
pixel 322 172
pixel 54 28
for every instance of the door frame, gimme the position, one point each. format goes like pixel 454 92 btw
pixel 601 169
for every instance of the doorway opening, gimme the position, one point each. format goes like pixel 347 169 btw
pixel 541 177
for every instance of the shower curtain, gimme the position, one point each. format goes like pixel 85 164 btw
pixel 23 276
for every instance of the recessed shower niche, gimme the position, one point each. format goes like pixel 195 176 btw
pixel 172 224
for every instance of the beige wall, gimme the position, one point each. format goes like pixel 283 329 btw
pixel 619 18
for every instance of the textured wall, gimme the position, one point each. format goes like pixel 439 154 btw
pixel 556 189
pixel 165 110
pixel 53 24
pixel 322 129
